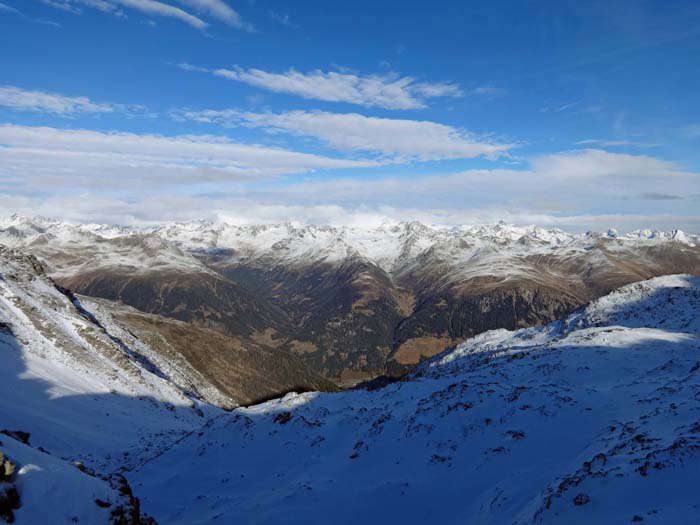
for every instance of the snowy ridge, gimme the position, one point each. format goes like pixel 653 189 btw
pixel 636 305
pixel 393 248
pixel 592 419
pixel 73 249
pixel 389 246
pixel 73 383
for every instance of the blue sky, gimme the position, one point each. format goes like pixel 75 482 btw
pixel 581 115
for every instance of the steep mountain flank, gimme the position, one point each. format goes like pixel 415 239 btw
pixel 202 298
pixel 342 316
pixel 239 367
pixel 194 362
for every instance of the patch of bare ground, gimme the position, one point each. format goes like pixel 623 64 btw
pixel 350 378
pixel 411 352
pixel 266 338
pixel 303 347
pixel 405 302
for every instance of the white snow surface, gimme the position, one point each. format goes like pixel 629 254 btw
pixel 393 248
pixel 80 391
pixel 53 491
pixel 592 419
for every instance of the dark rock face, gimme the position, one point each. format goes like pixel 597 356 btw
pixel 9 495
pixel 461 317
pixel 128 509
pixel 342 317
pixel 201 298
pixel 9 501
pixel 448 318
pixel 239 367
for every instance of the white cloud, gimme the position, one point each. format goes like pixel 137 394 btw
pixel 62 5
pixel 118 177
pixel 46 22
pixel 218 9
pixel 589 163
pixel 387 91
pixel 8 8
pixel 607 143
pixel 41 101
pixel 155 208
pixel 490 91
pixel 186 66
pixel 105 6
pixel 153 7
pixel 437 89
pixel 400 138
pixel 559 109
pixel 282 19
pixel 125 161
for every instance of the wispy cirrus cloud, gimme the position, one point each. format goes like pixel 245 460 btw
pixel 20 99
pixel 8 8
pixel 106 6
pixel 559 108
pixel 63 5
pixel 216 9
pixel 4 8
pixel 220 10
pixel 282 19
pixel 401 139
pixel 389 91
pixel 489 91
pixel 691 131
pixel 186 66
pixel 607 143
pixel 153 7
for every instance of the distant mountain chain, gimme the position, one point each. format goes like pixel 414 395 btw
pixel 347 304
pixel 387 246
pixel 108 415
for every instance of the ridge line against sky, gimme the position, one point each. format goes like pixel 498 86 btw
pixel 189 126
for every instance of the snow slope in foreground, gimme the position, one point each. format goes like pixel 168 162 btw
pixel 594 419
pixel 78 389
pixel 53 491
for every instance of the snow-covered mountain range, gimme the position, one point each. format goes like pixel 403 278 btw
pixel 593 418
pixel 390 247
pixel 350 303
